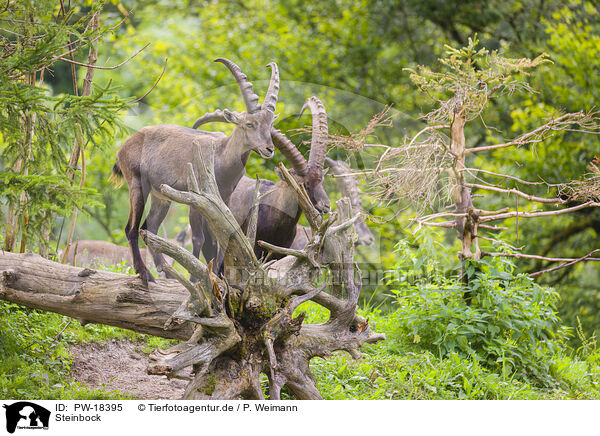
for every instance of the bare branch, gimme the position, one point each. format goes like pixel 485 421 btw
pixel 535 256
pixel 516 192
pixel 538 214
pixel 564 265
pixel 155 83
pixel 547 131
pixel 100 67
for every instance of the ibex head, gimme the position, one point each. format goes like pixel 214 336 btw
pixel 255 124
pixel 308 173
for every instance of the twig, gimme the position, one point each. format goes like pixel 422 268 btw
pixel 538 214
pixel 61 331
pixel 155 83
pixel 99 67
pixel 516 192
pixel 499 242
pixel 564 265
pixel 551 126
pixel 535 256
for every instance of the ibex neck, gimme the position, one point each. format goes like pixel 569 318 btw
pixel 230 162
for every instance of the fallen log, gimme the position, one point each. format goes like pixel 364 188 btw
pixel 93 296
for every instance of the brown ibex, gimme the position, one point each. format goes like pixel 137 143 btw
pixel 95 253
pixel 348 187
pixel 278 211
pixel 156 155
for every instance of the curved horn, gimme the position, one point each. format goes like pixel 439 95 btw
pixel 271 98
pixel 346 182
pixel 289 150
pixel 250 98
pixel 320 132
pixel 287 147
pixel 217 116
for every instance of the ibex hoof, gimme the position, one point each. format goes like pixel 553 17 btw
pixel 146 277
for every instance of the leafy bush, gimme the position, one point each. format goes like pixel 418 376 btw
pixel 511 325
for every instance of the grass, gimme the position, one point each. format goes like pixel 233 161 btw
pixel 35 361
pixel 35 364
pixel 399 369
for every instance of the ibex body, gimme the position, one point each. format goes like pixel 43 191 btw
pixel 156 155
pixel 91 253
pixel 95 253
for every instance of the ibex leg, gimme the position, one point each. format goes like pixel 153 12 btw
pixel 156 215
pixel 137 201
pixel 196 224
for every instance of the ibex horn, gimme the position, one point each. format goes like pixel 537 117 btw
pixel 217 116
pixel 291 153
pixel 271 98
pixel 250 98
pixel 320 132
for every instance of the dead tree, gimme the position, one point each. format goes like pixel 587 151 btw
pixel 235 328
pixel 433 169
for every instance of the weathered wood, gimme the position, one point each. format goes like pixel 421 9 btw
pixel 93 296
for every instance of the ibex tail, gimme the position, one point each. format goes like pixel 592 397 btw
pixel 117 176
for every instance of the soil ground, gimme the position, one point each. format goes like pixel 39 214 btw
pixel 121 366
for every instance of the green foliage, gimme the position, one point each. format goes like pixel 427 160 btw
pixel 34 354
pixel 360 47
pixel 469 77
pixel 398 368
pixel 38 128
pixel 511 325
pixel 34 359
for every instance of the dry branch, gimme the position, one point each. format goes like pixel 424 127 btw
pixel 514 214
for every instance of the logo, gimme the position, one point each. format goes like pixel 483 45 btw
pixel 26 415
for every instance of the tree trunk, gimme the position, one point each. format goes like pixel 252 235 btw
pixel 466 225
pixel 79 146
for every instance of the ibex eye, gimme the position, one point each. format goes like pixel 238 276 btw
pixel 250 125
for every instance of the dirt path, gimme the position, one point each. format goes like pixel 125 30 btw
pixel 119 365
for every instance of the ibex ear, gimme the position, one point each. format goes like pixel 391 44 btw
pixel 232 117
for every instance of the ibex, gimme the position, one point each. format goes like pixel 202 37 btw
pixel 348 187
pixel 156 155
pixel 278 211
pixel 93 253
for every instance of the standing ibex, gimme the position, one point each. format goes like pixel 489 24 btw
pixel 278 211
pixel 348 187
pixel 156 155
